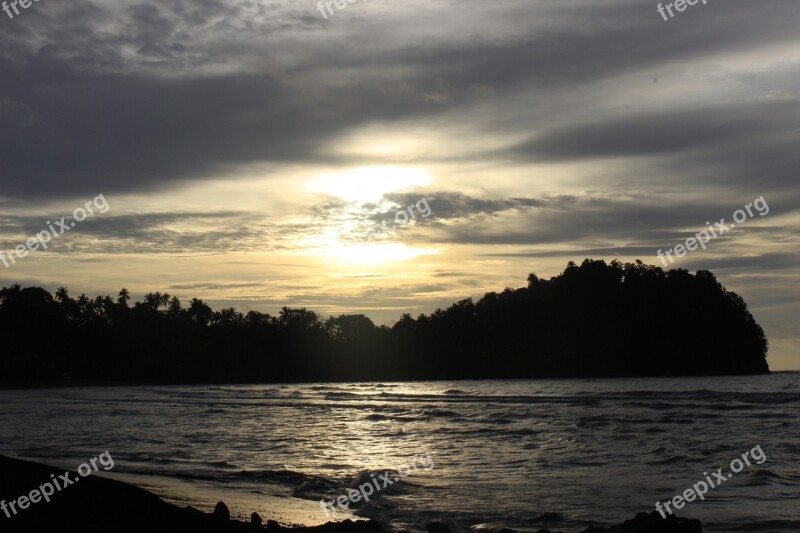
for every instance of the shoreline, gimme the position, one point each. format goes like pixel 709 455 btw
pixel 204 495
pixel 103 504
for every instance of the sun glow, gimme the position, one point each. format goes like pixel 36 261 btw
pixel 369 184
pixel 373 254
pixel 344 240
pixel 333 251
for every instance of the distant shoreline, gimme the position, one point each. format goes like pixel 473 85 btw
pixel 113 384
pixel 595 320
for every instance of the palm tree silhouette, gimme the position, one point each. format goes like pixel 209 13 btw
pixel 62 295
pixel 124 296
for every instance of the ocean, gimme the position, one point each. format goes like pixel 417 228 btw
pixel 527 454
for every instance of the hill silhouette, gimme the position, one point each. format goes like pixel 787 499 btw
pixel 592 320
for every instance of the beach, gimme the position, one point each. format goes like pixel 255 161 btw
pixel 101 504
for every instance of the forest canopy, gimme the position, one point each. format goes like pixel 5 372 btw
pixel 592 320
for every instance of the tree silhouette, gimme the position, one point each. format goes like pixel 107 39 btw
pixel 62 295
pixel 594 319
pixel 124 297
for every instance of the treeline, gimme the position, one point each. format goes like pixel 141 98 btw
pixel 593 320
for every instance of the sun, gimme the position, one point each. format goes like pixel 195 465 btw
pixel 369 184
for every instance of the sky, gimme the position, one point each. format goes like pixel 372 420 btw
pixel 257 154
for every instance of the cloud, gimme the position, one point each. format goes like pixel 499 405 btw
pixel 144 96
pixel 665 133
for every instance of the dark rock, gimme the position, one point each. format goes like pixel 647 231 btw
pixel 256 520
pixel 437 527
pixel 549 517
pixel 221 512
pixel 652 523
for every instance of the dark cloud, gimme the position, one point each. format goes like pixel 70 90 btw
pixel 122 134
pixel 159 233
pixel 567 218
pixel 665 133
pixel 454 205
pixel 145 96
pixel 753 264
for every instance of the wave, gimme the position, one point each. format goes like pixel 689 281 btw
pixel 768 526
pixel 671 460
pixel 763 477
pixel 376 417
pixel 548 518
